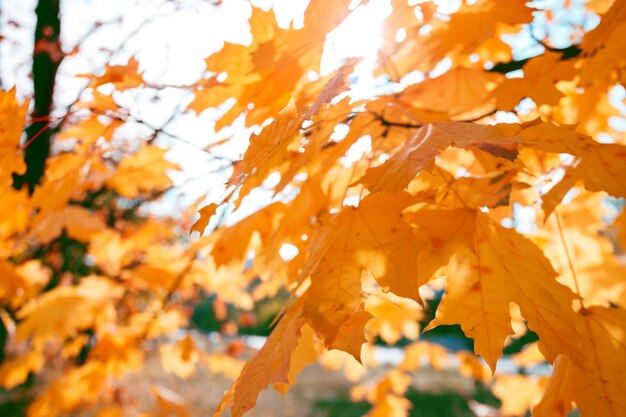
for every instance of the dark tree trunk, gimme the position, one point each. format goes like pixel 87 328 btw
pixel 47 56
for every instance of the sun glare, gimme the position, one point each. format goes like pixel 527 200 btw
pixel 358 36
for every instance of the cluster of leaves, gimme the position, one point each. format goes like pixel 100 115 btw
pixel 88 273
pixel 380 200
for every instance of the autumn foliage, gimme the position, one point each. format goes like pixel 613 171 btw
pixel 494 180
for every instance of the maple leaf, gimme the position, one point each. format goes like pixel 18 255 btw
pixel 141 172
pixel 601 46
pixel 223 363
pixel 14 216
pixel 21 282
pixel 117 354
pixel 595 387
pixel 100 103
pixel 528 390
pixel 503 141
pixel 15 371
pixel 460 34
pixel 370 237
pixel 337 84
pixel 386 395
pixel 180 358
pixel 233 242
pixel 279 57
pixel 307 351
pixel 77 387
pixel 121 76
pixel 90 130
pixel 266 149
pixel 535 84
pixel 476 304
pixel 79 222
pixel 393 319
pixel 467 89
pixel 63 182
pixel 206 213
pixel 12 120
pixel 436 355
pixel 62 312
pixel 589 107
pixel 270 365
pixel 596 169
pixel 490 266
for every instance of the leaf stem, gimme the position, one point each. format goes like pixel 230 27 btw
pixel 569 258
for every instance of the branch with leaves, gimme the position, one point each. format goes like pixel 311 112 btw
pixel 454 195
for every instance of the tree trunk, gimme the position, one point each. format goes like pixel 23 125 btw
pixel 47 56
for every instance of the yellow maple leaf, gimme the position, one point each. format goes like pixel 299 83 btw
pixel 80 224
pixel 267 149
pixel 142 172
pixel 118 354
pixel 598 168
pixel 460 34
pixel 270 365
pixel 307 351
pixel 15 371
pixel 491 266
pixel 12 120
pixel 121 76
pixel 393 318
pixel 436 355
pixel 386 395
pixel 62 312
pixel 370 237
pixel 88 131
pixel 21 282
pixel 535 84
pixel 602 46
pixel 597 385
pixel 75 388
pixel 461 93
pixel 518 393
pixel 206 213
pixel 181 358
